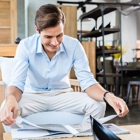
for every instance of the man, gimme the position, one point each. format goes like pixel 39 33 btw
pixel 40 79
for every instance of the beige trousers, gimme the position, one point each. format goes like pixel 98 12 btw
pixel 62 100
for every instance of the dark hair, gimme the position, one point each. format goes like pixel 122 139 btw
pixel 48 15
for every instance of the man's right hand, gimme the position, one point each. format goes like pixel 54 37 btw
pixel 9 112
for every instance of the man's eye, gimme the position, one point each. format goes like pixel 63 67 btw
pixel 60 35
pixel 48 37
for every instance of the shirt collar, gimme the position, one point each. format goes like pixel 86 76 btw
pixel 61 49
pixel 39 47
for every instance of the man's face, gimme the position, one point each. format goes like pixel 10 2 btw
pixel 51 38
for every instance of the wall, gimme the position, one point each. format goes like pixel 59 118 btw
pixel 21 18
pixel 130 33
pixel 129 37
pixel 26 14
pixel 138 24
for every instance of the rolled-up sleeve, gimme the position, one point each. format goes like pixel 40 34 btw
pixel 81 67
pixel 20 69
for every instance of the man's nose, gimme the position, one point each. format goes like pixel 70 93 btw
pixel 54 41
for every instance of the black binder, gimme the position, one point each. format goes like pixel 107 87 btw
pixel 100 132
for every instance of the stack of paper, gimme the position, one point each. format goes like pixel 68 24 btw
pixel 27 129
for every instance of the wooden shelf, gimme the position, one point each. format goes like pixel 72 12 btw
pixel 83 31
pixel 99 52
pixel 108 74
pixel 95 13
pixel 98 33
pixel 8 50
pixel 5 27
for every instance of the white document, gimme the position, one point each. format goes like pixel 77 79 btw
pixel 105 119
pixel 16 134
pixel 115 129
pixel 30 130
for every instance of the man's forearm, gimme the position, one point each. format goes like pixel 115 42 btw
pixel 96 92
pixel 13 91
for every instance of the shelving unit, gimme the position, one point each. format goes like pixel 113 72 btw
pixel 8 21
pixel 98 33
pixel 107 52
pixel 100 11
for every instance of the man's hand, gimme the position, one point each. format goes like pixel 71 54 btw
pixel 9 112
pixel 118 104
pixel 96 92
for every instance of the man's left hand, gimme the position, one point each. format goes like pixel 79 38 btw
pixel 118 104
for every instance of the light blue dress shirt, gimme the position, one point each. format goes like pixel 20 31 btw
pixel 34 71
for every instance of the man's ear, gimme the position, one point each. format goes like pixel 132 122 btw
pixel 37 30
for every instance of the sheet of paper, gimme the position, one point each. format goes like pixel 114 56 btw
pixel 115 129
pixel 26 125
pixel 71 129
pixel 105 119
pixel 28 134
pixel 20 121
